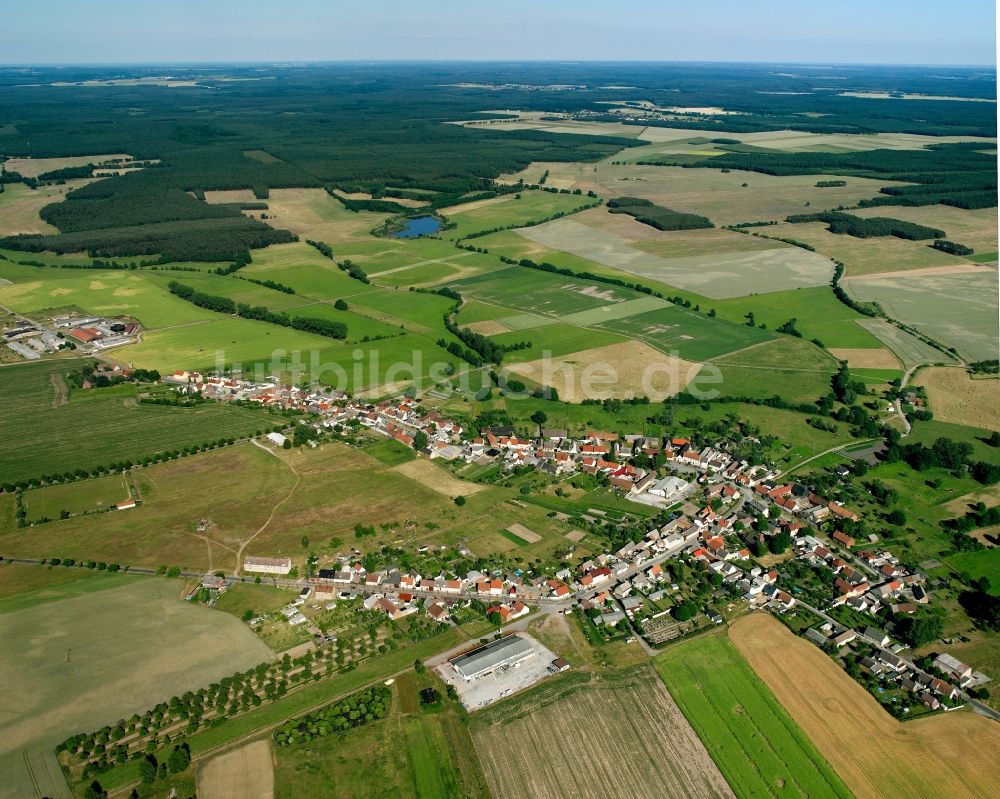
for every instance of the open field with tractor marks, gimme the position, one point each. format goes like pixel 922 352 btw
pixel 522 757
pixel 242 773
pixel 946 755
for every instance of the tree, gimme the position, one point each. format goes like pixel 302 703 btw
pixel 418 666
pixel 340 305
pixel 779 543
pixel 95 791
pixel 180 759
pixel 685 611
pixel 460 500
pixel 919 630
pixel 420 440
pixel 147 769
pixel 896 517
pixel 539 418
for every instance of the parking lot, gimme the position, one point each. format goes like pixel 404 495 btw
pixel 504 682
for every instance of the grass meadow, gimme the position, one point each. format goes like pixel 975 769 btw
pixel 510 211
pixel 757 746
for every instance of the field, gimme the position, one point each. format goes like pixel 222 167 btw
pixel 759 749
pixel 958 310
pixel 866 256
pixel 955 397
pixel 622 736
pixel 752 372
pixel 976 229
pixel 320 493
pixel 117 293
pixel 720 196
pixel 432 476
pixel 33 167
pixel 676 330
pixel 80 497
pixel 508 212
pixel 44 435
pixel 65 682
pixel 630 369
pixel 415 752
pixel 941 756
pixel 718 275
pixel 19 207
pixel 313 214
pixel 242 773
pixel 910 350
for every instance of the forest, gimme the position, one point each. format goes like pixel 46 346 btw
pixel 657 216
pixel 871 227
pixel 382 130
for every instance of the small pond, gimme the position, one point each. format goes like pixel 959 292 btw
pixel 418 226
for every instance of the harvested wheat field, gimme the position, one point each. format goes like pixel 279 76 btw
pixel 619 738
pixel 622 370
pixel 955 397
pixel 33 167
pixel 19 206
pixel 437 479
pixel 488 327
pixel 951 755
pixel 877 358
pixel 244 773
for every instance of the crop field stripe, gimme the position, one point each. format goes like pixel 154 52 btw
pixel 753 709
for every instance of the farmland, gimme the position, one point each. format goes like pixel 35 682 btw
pixel 510 211
pixel 956 397
pixel 758 748
pixel 19 208
pixel 65 683
pixel 243 773
pixel 805 371
pixel 105 425
pixel 866 256
pixel 715 275
pixel 722 197
pixel 958 310
pixel 521 756
pixel 313 493
pixel 940 756
pixel 419 752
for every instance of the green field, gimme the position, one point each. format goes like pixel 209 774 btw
pixel 96 427
pixel 556 340
pixel 65 682
pixel 541 292
pixel 759 749
pixel 804 371
pixel 305 269
pixel 693 336
pixel 509 212
pixel 818 314
pixel 80 497
pixel 910 350
pixel 985 563
pixel 115 293
pixel 415 752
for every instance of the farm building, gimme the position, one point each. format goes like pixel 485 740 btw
pixel 277 439
pixel 497 655
pixel 268 565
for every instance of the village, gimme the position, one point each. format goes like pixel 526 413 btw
pixel 723 512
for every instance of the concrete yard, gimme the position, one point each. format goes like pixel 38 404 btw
pixel 483 691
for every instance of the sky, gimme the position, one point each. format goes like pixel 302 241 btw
pixel 795 31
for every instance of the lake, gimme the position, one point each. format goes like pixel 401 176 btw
pixel 418 226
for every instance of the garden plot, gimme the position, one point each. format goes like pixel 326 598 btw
pixel 959 310
pixel 718 275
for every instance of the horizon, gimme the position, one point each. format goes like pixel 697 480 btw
pixel 718 31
